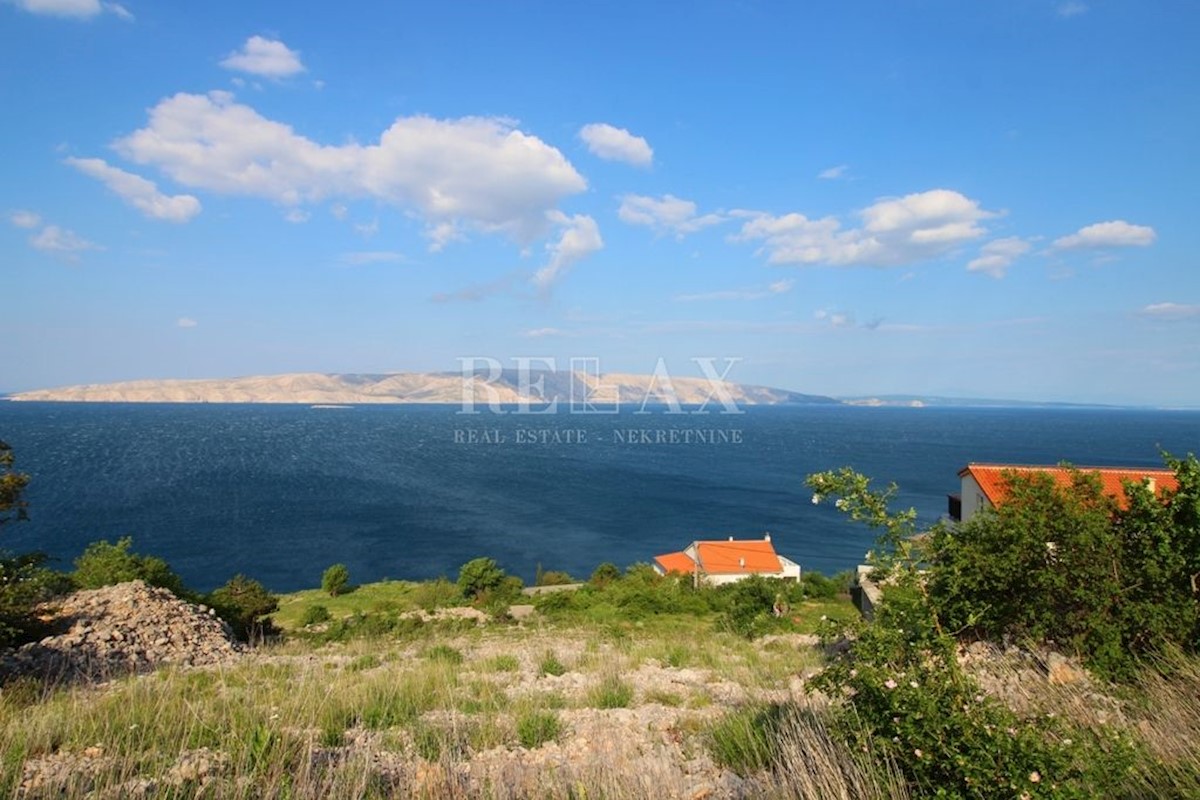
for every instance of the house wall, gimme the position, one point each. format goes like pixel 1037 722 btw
pixel 972 497
pixel 791 570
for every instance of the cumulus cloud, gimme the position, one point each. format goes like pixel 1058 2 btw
pixel 138 192
pixel 1115 233
pixel 1171 312
pixel 833 173
pixel 771 289
pixel 616 144
pixel 371 257
pixel 61 241
pixel 186 322
pixel 476 171
pixel 580 238
pixel 997 256
pixel 72 9
pixel 267 58
pixel 24 219
pixel 894 231
pixel 666 214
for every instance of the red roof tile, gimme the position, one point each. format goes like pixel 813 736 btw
pixel 755 555
pixel 990 478
pixel 676 562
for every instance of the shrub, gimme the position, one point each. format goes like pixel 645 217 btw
pixel 245 604
pixel 605 574
pixel 535 728
pixel 314 615
pixel 478 576
pixel 818 586
pixel 748 740
pixel 105 564
pixel 611 692
pixel 24 583
pixel 335 580
pixel 444 653
pixel 12 488
pixel 550 665
pixel 552 578
pixel 438 593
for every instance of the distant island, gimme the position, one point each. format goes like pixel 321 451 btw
pixel 422 387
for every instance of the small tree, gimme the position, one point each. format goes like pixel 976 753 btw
pixel 605 574
pixel 245 603
pixel 336 580
pixel 104 564
pixel 12 488
pixel 478 576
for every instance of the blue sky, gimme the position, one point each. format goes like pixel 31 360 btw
pixel 992 199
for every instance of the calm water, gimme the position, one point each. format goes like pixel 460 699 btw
pixel 281 492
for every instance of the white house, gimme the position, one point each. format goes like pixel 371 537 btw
pixel 717 562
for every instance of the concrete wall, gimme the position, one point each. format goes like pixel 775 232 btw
pixel 972 498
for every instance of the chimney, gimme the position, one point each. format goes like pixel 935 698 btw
pixel 731 538
pixel 742 562
pixel 767 537
pixel 1151 485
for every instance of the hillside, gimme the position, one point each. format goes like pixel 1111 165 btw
pixel 415 387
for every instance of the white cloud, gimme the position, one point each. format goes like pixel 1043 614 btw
pixel 616 144
pixel 24 219
pixel 186 322
pixel 1115 233
pixel 895 231
pixel 478 171
pixel 138 192
pixel 119 10
pixel 78 9
pixel 775 288
pixel 541 333
pixel 667 214
pixel 442 234
pixel 60 241
pixel 296 216
pixel 1170 311
pixel 371 257
pixel 834 173
pixel 268 58
pixel 997 256
pixel 1071 8
pixel 580 238
pixel 72 9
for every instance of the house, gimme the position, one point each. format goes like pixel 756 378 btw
pixel 717 562
pixel 984 485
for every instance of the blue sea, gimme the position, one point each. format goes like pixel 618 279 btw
pixel 280 492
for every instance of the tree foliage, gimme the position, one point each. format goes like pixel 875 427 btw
pixel 245 604
pixel 335 580
pixel 12 488
pixel 480 575
pixel 105 564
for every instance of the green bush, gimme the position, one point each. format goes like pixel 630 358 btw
pixel 24 583
pixel 552 578
pixel 480 576
pixel 314 615
pixel 435 594
pixel 12 488
pixel 550 665
pixel 245 604
pixel 820 587
pixel 335 580
pixel 605 574
pixel 535 728
pixel 105 564
pixel 611 692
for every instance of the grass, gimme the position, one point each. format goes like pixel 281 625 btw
pixel 367 598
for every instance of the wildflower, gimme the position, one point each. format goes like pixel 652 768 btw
pixel 816 499
pixel 896 740
pixel 889 683
pixel 841 503
pixel 854 673
pixel 913 684
pixel 978 698
pixel 917 752
pixel 1035 776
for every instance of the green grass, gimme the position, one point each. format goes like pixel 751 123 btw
pixel 384 596
pixel 535 728
pixel 611 692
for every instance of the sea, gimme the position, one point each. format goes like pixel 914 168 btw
pixel 280 492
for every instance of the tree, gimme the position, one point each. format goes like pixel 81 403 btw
pixel 336 580
pixel 245 603
pixel 12 488
pixel 480 575
pixel 104 564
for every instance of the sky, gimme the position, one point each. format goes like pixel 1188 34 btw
pixel 985 199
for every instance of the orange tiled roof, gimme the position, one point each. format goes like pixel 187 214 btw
pixel 990 478
pixel 746 556
pixel 676 562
